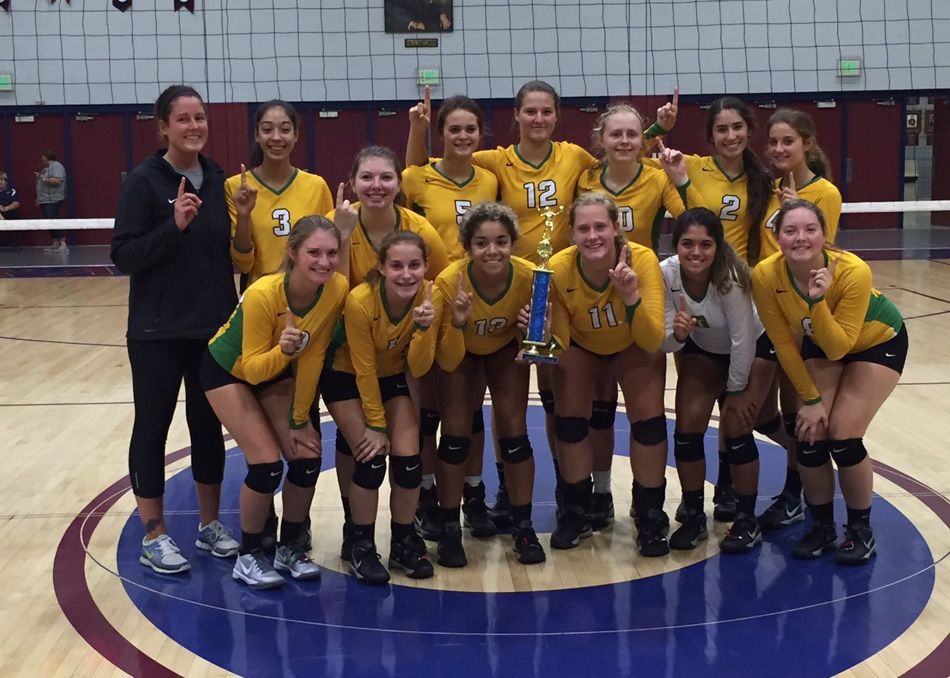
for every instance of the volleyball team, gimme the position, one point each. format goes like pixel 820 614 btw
pixel 401 308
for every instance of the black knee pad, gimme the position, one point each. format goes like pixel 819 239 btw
pixel 813 456
pixel 478 421
pixel 342 447
pixel 370 474
pixel 428 422
pixel 515 450
pixel 454 449
pixel 304 472
pixel 547 401
pixel 848 452
pixel 603 413
pixel 688 446
pixel 742 450
pixel 650 432
pixel 788 421
pixel 771 426
pixel 264 478
pixel 406 472
pixel 570 429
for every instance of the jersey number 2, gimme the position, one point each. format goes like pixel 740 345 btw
pixel 283 222
pixel 542 194
pixel 730 208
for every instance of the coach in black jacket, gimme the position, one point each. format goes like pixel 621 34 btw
pixel 172 235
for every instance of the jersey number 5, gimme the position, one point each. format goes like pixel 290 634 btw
pixel 542 194
pixel 460 207
pixel 283 222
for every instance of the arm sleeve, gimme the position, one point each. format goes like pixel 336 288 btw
pixel 678 199
pixel 489 160
pixel 309 366
pixel 261 359
pixel 836 333
pixel 450 349
pixel 646 317
pixel 438 255
pixel 422 343
pixel 359 337
pixel 243 260
pixel 830 203
pixel 737 307
pixel 137 242
pixel 57 171
pixel 786 348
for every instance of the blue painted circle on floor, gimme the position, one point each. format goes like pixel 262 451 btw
pixel 762 614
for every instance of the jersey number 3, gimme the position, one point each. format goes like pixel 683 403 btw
pixel 541 194
pixel 283 222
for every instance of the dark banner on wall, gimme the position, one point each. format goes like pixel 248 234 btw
pixel 418 16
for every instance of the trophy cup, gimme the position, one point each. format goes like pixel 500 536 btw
pixel 538 351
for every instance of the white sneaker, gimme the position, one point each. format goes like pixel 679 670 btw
pixel 162 555
pixel 296 562
pixel 216 538
pixel 256 571
pixel 51 248
pixel 62 249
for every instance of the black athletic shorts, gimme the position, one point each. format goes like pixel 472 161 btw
pixel 892 353
pixel 603 356
pixel 763 349
pixel 336 386
pixel 481 357
pixel 214 376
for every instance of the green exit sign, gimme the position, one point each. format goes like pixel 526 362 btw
pixel 849 68
pixel 6 83
pixel 428 76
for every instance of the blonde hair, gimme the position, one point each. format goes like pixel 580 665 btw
pixel 597 198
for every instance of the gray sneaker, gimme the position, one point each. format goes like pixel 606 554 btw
pixel 256 571
pixel 162 555
pixel 216 538
pixel 296 562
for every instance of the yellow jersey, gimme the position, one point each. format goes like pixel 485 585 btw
pixel 377 344
pixel 819 191
pixel 443 201
pixel 274 214
pixel 596 318
pixel 643 203
pixel 493 323
pixel 363 254
pixel 248 347
pixel 528 188
pixel 851 317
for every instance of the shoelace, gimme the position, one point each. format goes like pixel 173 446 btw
pixel 167 547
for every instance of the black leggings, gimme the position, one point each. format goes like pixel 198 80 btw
pixel 157 370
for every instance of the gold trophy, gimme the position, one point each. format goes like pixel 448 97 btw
pixel 538 351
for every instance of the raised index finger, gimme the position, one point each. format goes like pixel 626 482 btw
pixel 181 188
pixel 243 176
pixel 290 319
pixel 624 254
pixel 833 265
pixel 791 181
pixel 428 99
pixel 682 302
pixel 676 98
pixel 429 292
pixel 458 287
pixel 339 196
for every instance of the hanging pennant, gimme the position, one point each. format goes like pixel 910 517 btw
pixel 5 5
pixel 122 5
pixel 185 4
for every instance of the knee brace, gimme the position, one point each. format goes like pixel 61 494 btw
pixel 428 422
pixel 304 472
pixel 515 450
pixel 453 449
pixel 848 452
pixel 264 478
pixel 688 446
pixel 370 474
pixel 650 432
pixel 742 450
pixel 478 421
pixel 771 426
pixel 342 447
pixel 788 421
pixel 603 414
pixel 547 401
pixel 570 429
pixel 406 471
pixel 813 456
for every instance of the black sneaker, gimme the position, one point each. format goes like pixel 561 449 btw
pixel 821 538
pixel 476 512
pixel 269 534
pixel 690 533
pixel 858 545
pixel 633 506
pixel 742 537
pixel 724 503
pixel 500 512
pixel 304 541
pixel 451 552
pixel 404 556
pixel 602 510
pixel 347 547
pixel 365 565
pixel 570 530
pixel 428 520
pixel 787 509
pixel 651 534
pixel 526 544
pixel 680 515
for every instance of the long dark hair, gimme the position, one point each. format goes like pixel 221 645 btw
pixel 395 238
pixel 166 100
pixel 758 179
pixel 460 102
pixel 804 127
pixel 727 269
pixel 257 153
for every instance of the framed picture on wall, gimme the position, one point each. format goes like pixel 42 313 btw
pixel 418 16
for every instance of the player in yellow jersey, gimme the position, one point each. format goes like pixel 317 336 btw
pixel 607 304
pixel 643 193
pixel 267 200
pixel 247 376
pixel 390 329
pixel 481 297
pixel 804 169
pixel 853 348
